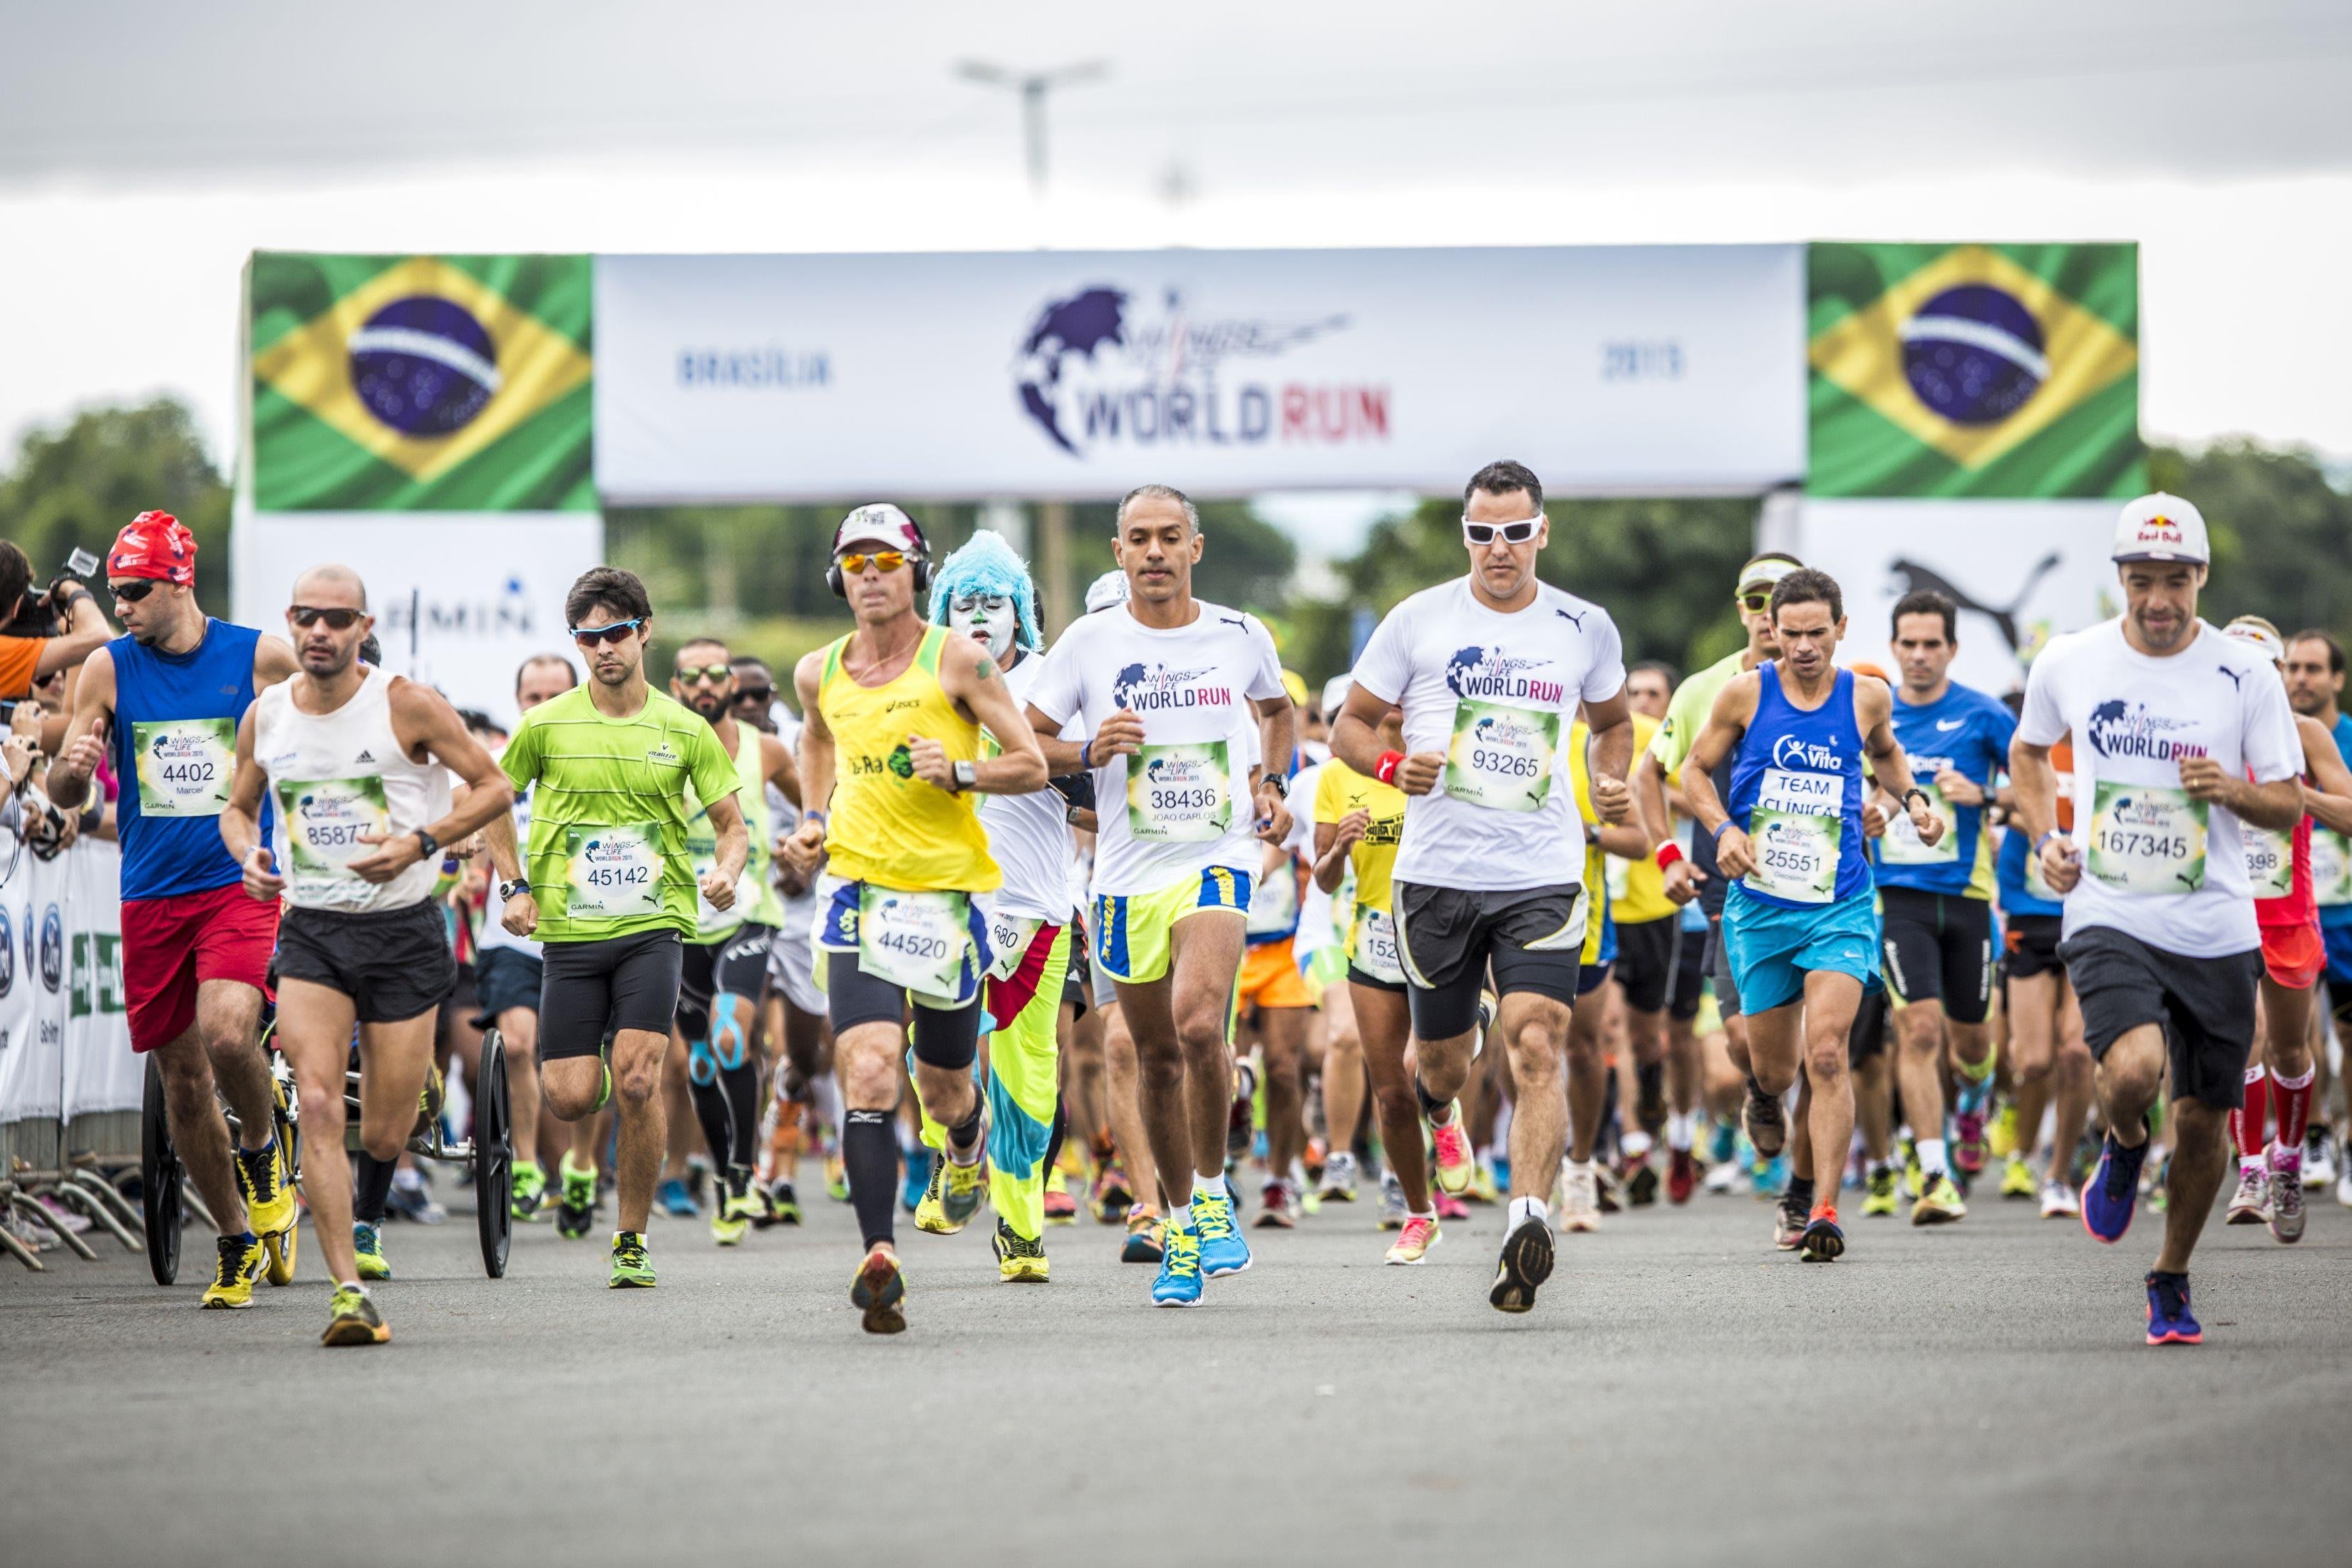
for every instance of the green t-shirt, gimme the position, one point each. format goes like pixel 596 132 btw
pixel 607 855
pixel 1686 714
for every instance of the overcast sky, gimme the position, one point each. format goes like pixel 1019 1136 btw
pixel 145 149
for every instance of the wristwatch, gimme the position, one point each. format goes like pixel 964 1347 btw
pixel 1281 784
pixel 426 845
pixel 519 886
pixel 1922 794
pixel 966 775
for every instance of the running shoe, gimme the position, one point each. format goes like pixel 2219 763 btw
pixel 1486 1186
pixel 1878 1198
pixel 1240 1123
pixel 1458 1166
pixel 413 1200
pixel 2343 1185
pixel 1178 1284
pixel 2112 1190
pixel 1939 1203
pixel 2318 1157
pixel 675 1201
pixel 1210 1222
pixel 367 1250
pixel 1060 1207
pixel 353 1320
pixel 731 1220
pixel 783 1205
pixel 1525 1264
pixel 239 1264
pixel 1146 1237
pixel 1019 1261
pixel 932 1209
pixel 1580 1197
pixel 632 1269
pixel 920 1176
pixel 575 1211
pixel 1723 1142
pixel 1448 1206
pixel 2251 1203
pixel 1111 1195
pixel 1641 1184
pixel 1969 1141
pixel 1682 1176
pixel 2170 1320
pixel 1393 1213
pixel 2016 1176
pixel 1764 1121
pixel 1722 1177
pixel 2001 1137
pixel 1339 1183
pixel 2286 1205
pixel 962 1188
pixel 1420 1234
pixel 1823 1241
pixel 2058 1202
pixel 1789 1221
pixel 1914 1174
pixel 262 1182
pixel 529 1192
pixel 836 1179
pixel 1277 1205
pixel 878 1291
pixel 1768 1179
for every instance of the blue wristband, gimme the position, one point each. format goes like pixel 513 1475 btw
pixel 1086 751
pixel 1719 827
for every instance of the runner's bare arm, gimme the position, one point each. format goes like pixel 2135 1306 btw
pixel 2328 798
pixel 776 765
pixel 86 632
pixel 1277 727
pixel 1063 758
pixel 1873 714
pixel 803 847
pixel 725 816
pixel 273 661
pixel 84 744
pixel 969 673
pixel 240 820
pixel 426 725
pixel 1657 806
pixel 1608 760
pixel 1333 840
pixel 1356 741
pixel 2033 784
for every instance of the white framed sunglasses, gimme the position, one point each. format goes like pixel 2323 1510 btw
pixel 1519 533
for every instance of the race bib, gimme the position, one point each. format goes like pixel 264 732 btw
pixel 1274 903
pixel 1374 947
pixel 184 765
pixel 2331 867
pixel 1796 830
pixel 1501 756
pixel 2270 861
pixel 324 819
pixel 2037 886
pixel 1902 845
pixel 613 872
pixel 1180 793
pixel 702 854
pixel 2147 839
pixel 915 941
pixel 1009 937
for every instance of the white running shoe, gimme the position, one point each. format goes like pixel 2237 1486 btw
pixel 2252 1203
pixel 1723 1178
pixel 2319 1158
pixel 2344 1186
pixel 2286 1205
pixel 1580 1197
pixel 2058 1202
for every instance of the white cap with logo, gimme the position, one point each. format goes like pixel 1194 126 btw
pixel 2161 527
pixel 1107 590
pixel 879 522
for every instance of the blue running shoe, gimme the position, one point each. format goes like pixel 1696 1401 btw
pixel 1178 1284
pixel 2170 1320
pixel 675 1200
pixel 1223 1250
pixel 918 1180
pixel 2112 1191
pixel 1722 1143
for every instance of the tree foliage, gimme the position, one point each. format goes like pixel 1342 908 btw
pixel 78 486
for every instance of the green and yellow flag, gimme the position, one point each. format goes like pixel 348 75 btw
pixel 1974 370
pixel 422 383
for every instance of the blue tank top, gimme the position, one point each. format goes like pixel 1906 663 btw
pixel 174 751
pixel 1796 787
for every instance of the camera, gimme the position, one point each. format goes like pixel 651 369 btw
pixel 36 614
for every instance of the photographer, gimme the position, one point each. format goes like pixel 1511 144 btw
pixel 42 633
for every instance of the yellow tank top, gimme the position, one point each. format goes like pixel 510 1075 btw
pixel 886 826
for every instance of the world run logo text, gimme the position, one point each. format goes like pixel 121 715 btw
pixel 1150 689
pixel 2119 729
pixel 1472 673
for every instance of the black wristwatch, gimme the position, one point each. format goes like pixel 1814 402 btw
pixel 1281 784
pixel 426 845
pixel 1924 799
pixel 515 888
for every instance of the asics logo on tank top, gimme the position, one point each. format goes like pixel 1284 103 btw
pixel 1475 672
pixel 1790 750
pixel 1150 688
pixel 2119 729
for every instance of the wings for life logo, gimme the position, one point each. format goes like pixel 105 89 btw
pixel 2120 729
pixel 7 956
pixel 1096 373
pixel 1974 354
pixel 1154 687
pixel 1477 673
pixel 53 949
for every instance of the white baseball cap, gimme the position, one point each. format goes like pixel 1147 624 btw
pixel 1335 694
pixel 879 522
pixel 2161 527
pixel 1107 590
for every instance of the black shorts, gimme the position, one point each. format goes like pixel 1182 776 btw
pixel 2030 947
pixel 1718 968
pixel 2205 1004
pixel 391 963
pixel 505 978
pixel 1449 938
pixel 737 965
pixel 1690 974
pixel 947 1039
pixel 1592 977
pixel 1371 982
pixel 589 990
pixel 1938 947
pixel 1646 951
pixel 1867 1039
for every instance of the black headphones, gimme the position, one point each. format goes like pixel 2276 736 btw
pixel 920 565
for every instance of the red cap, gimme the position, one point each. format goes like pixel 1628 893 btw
pixel 156 545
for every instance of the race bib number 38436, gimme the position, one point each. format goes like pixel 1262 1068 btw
pixel 1180 793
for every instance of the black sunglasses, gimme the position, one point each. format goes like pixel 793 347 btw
pixel 306 615
pixel 132 592
pixel 1755 604
pixel 755 694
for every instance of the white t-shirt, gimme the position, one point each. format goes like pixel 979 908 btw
pixel 2157 865
pixel 1193 688
pixel 1496 693
pixel 1029 834
pixel 494 933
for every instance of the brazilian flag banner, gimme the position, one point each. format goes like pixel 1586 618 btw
pixel 421 383
pixel 1974 370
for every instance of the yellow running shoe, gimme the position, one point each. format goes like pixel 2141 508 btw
pixel 239 1266
pixel 262 1180
pixel 367 1250
pixel 878 1291
pixel 2017 1178
pixel 1420 1234
pixel 727 1225
pixel 1457 1167
pixel 1878 1201
pixel 353 1320
pixel 1019 1262
pixel 2001 1136
pixel 1939 1203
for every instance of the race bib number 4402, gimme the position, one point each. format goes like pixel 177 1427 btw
pixel 613 872
pixel 184 765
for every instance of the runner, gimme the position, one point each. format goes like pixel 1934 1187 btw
pixel 725 962
pixel 357 762
pixel 1798 921
pixel 2170 720
pixel 1489 671
pixel 1935 899
pixel 1278 1009
pixel 2315 682
pixel 892 747
pixel 162 702
pixel 1167 688
pixel 608 764
pixel 2050 1063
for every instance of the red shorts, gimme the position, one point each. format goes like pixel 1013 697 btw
pixel 2294 956
pixel 1007 997
pixel 170 946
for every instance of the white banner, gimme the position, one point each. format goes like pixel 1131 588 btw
pixel 2021 572
pixel 460 598
pixel 63 1028
pixel 1665 369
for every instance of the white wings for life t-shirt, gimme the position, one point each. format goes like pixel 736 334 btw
pixel 2157 865
pixel 1185 805
pixel 1029 834
pixel 1496 693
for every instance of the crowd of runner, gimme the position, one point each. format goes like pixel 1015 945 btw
pixel 1133 927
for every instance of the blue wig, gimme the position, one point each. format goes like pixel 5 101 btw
pixel 985 563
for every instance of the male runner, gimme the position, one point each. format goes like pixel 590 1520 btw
pixel 2181 738
pixel 1489 671
pixel 2315 686
pixel 726 962
pixel 163 701
pixel 2049 1065
pixel 1167 689
pixel 1798 921
pixel 1277 1006
pixel 608 764
pixel 890 756
pixel 1935 899
pixel 357 762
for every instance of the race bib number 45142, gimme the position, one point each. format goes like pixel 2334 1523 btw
pixel 613 872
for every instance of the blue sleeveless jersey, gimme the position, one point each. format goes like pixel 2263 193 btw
pixel 1790 756
pixel 164 856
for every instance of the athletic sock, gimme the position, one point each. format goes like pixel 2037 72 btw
pixel 1526 1209
pixel 374 1186
pixel 2246 1122
pixel 1437 1111
pixel 964 1136
pixel 869 1155
pixel 1682 1131
pixel 1933 1161
pixel 1798 1194
pixel 2292 1097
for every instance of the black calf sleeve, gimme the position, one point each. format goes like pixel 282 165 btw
pixel 373 1187
pixel 869 1156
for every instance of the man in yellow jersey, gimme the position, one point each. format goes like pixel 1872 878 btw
pixel 1167 689
pixel 726 960
pixel 890 756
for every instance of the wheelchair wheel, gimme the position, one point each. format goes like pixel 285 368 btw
pixel 493 1158
pixel 282 1248
pixel 159 1174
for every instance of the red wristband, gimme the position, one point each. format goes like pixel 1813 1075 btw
pixel 1385 769
pixel 1668 853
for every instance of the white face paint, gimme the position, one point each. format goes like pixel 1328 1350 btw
pixel 988 616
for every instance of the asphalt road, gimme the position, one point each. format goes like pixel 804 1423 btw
pixel 1976 1394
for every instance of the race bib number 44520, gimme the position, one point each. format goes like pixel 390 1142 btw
pixel 184 765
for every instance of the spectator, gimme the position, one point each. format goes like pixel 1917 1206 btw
pixel 24 660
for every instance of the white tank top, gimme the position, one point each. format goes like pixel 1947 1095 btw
pixel 336 775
